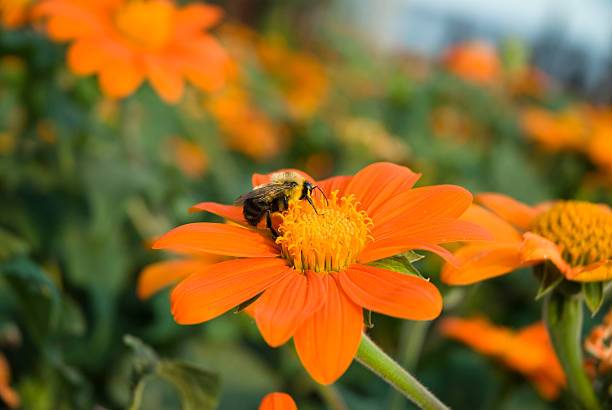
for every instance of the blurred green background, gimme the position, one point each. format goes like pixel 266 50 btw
pixel 86 182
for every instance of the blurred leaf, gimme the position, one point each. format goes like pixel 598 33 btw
pixel 12 245
pixel 198 388
pixel 401 263
pixel 593 295
pixel 38 294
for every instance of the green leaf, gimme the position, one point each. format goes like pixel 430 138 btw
pixel 548 276
pixel 38 294
pixel 12 246
pixel 401 263
pixel 197 387
pixel 247 303
pixel 593 295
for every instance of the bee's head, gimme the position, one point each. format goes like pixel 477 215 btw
pixel 306 190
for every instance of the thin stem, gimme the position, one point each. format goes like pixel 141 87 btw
pixel 563 317
pixel 331 397
pixel 372 357
pixel 412 336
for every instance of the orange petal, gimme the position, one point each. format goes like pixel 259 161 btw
pixel 194 18
pixel 508 208
pixel 332 184
pixel 230 212
pixel 220 239
pixel 328 340
pixel 259 179
pixel 416 206
pixel 283 307
pixel 391 293
pixel 376 184
pixel 165 79
pixel 536 249
pixel 277 401
pixel 442 230
pixel 120 77
pixel 85 57
pixel 501 230
pixel 222 286
pixel 157 276
pixel 478 262
pixel 8 395
pixel 389 247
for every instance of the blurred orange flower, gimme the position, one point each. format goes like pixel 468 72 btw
pixel 245 128
pixel 599 344
pixel 556 130
pixel 14 13
pixel 313 280
pixel 527 351
pixel 188 156
pixel 449 122
pixel 8 395
pixel 301 77
pixel 599 147
pixel 277 401
pixel 475 61
pixel 125 42
pixel 574 235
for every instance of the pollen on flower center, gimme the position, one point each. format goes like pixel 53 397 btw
pixel 583 231
pixel 327 241
pixel 148 23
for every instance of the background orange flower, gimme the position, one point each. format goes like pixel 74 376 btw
pixel 527 351
pixel 125 42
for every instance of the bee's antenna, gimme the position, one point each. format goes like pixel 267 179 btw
pixel 313 207
pixel 324 196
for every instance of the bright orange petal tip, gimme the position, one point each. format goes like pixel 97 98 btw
pixel 391 293
pixel 277 401
pixel 220 239
pixel 508 208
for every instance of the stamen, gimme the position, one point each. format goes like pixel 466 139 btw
pixel 324 241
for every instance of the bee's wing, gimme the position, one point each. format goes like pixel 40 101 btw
pixel 264 191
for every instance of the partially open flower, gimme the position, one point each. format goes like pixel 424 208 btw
pixel 314 279
pixel 125 42
pixel 574 235
pixel 527 351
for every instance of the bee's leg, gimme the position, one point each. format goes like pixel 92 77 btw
pixel 285 203
pixel 269 225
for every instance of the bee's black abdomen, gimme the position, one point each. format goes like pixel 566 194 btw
pixel 253 211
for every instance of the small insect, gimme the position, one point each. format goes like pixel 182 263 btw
pixel 275 196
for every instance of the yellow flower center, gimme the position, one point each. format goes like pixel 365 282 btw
pixel 147 23
pixel 327 241
pixel 583 231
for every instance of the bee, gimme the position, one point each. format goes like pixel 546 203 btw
pixel 275 196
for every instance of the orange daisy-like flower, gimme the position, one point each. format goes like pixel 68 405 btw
pixel 14 13
pixel 575 236
pixel 567 129
pixel 125 42
pixel 277 401
pixel 475 61
pixel 528 351
pixel 314 279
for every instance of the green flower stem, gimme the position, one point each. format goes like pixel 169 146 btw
pixel 372 357
pixel 563 317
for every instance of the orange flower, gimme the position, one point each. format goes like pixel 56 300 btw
pixel 314 279
pixel 277 401
pixel 598 344
pixel 576 236
pixel 8 395
pixel 556 131
pixel 125 42
pixel 528 351
pixel 600 141
pixel 14 13
pixel 187 156
pixel 475 61
pixel 157 276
